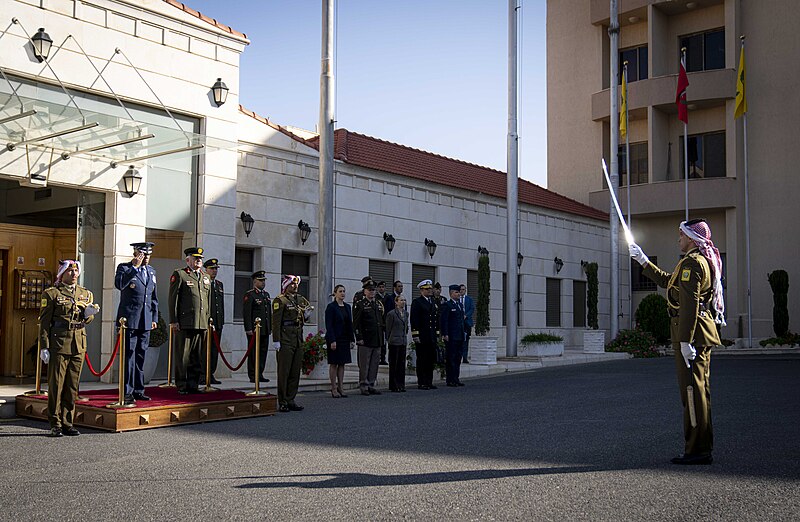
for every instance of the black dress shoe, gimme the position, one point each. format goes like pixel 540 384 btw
pixel 433 387
pixel 129 399
pixel 402 390
pixel 423 387
pixel 215 381
pixel 452 385
pixel 141 397
pixel 55 432
pixel 373 391
pixel 383 363
pixel 71 432
pixel 701 459
pixel 459 383
pixel 465 361
pixel 284 408
pixel 263 379
pixel 295 407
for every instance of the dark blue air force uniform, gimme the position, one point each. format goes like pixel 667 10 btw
pixel 138 304
pixel 452 322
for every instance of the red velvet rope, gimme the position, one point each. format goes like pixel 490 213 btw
pixel 249 348
pixel 113 356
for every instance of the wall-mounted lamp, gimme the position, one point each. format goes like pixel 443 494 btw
pixel 430 244
pixel 247 223
pixel 390 241
pixel 305 231
pixel 483 251
pixel 584 265
pixel 520 259
pixel 131 180
pixel 41 44
pixel 559 264
pixel 220 91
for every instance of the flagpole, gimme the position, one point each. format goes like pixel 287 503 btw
pixel 613 34
pixel 747 227
pixel 685 152
pixel 628 187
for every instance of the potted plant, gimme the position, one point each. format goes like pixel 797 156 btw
pixel 158 337
pixel 542 345
pixel 594 340
pixel 314 364
pixel 482 347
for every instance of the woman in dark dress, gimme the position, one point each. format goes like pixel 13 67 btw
pixel 339 337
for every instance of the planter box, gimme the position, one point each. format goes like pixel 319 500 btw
pixel 483 350
pixel 542 349
pixel 151 362
pixel 320 371
pixel 594 341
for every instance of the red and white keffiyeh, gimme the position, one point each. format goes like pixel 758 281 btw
pixel 64 265
pixel 287 280
pixel 698 231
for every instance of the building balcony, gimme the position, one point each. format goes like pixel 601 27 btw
pixel 668 196
pixel 706 88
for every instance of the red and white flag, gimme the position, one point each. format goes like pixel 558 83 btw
pixel 680 95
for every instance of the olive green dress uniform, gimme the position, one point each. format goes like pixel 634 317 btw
pixel 257 304
pixel 287 329
pixel 217 314
pixel 62 332
pixel 689 294
pixel 189 296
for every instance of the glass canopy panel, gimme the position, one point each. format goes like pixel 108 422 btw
pixel 45 118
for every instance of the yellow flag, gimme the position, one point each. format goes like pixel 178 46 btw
pixel 623 108
pixel 741 98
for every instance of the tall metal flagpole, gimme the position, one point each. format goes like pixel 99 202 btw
pixel 747 225
pixel 511 186
pixel 685 152
pixel 613 33
pixel 628 185
pixel 326 119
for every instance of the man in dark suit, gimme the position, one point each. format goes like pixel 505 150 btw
pixel 452 320
pixel 257 304
pixel 138 304
pixel 424 332
pixel 388 301
pixel 217 305
pixel 468 304
pixel 189 294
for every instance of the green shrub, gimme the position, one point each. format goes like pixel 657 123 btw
pixel 652 317
pixel 779 281
pixel 592 290
pixel 790 339
pixel 482 303
pixel 159 335
pixel 541 338
pixel 638 343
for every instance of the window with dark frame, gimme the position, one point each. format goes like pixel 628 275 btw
pixel 706 155
pixel 382 271
pixel 553 303
pixel 637 63
pixel 638 164
pixel 299 265
pixel 704 51
pixel 243 268
pixel 640 282
pixel 419 273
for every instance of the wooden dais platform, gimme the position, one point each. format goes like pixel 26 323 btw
pixel 167 408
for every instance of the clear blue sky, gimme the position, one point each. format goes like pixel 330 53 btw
pixel 430 74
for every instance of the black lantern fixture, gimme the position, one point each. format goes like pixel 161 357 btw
pixel 131 180
pixel 430 244
pixel 483 251
pixel 220 91
pixel 584 265
pixel 305 231
pixel 559 264
pixel 41 44
pixel 390 241
pixel 520 259
pixel 247 223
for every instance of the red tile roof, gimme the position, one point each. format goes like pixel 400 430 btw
pixel 185 8
pixel 366 151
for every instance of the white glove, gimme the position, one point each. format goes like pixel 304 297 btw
pixel 688 352
pixel 276 345
pixel 44 355
pixel 637 254
pixel 90 310
pixel 307 313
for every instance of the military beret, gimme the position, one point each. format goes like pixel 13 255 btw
pixel 193 252
pixel 455 288
pixel 261 275
pixel 369 284
pixel 437 285
pixel 365 279
pixel 144 247
pixel 212 263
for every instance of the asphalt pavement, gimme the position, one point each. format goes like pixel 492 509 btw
pixel 587 442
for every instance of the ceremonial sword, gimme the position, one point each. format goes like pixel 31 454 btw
pixel 628 235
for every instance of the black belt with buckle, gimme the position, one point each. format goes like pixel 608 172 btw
pixel 69 325
pixel 290 323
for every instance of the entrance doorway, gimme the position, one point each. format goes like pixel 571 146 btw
pixel 39 227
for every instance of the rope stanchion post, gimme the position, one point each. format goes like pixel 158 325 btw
pixel 38 390
pixel 209 334
pixel 121 400
pixel 168 384
pixel 257 374
pixel 21 373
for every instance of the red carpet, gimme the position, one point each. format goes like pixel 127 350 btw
pixel 159 396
